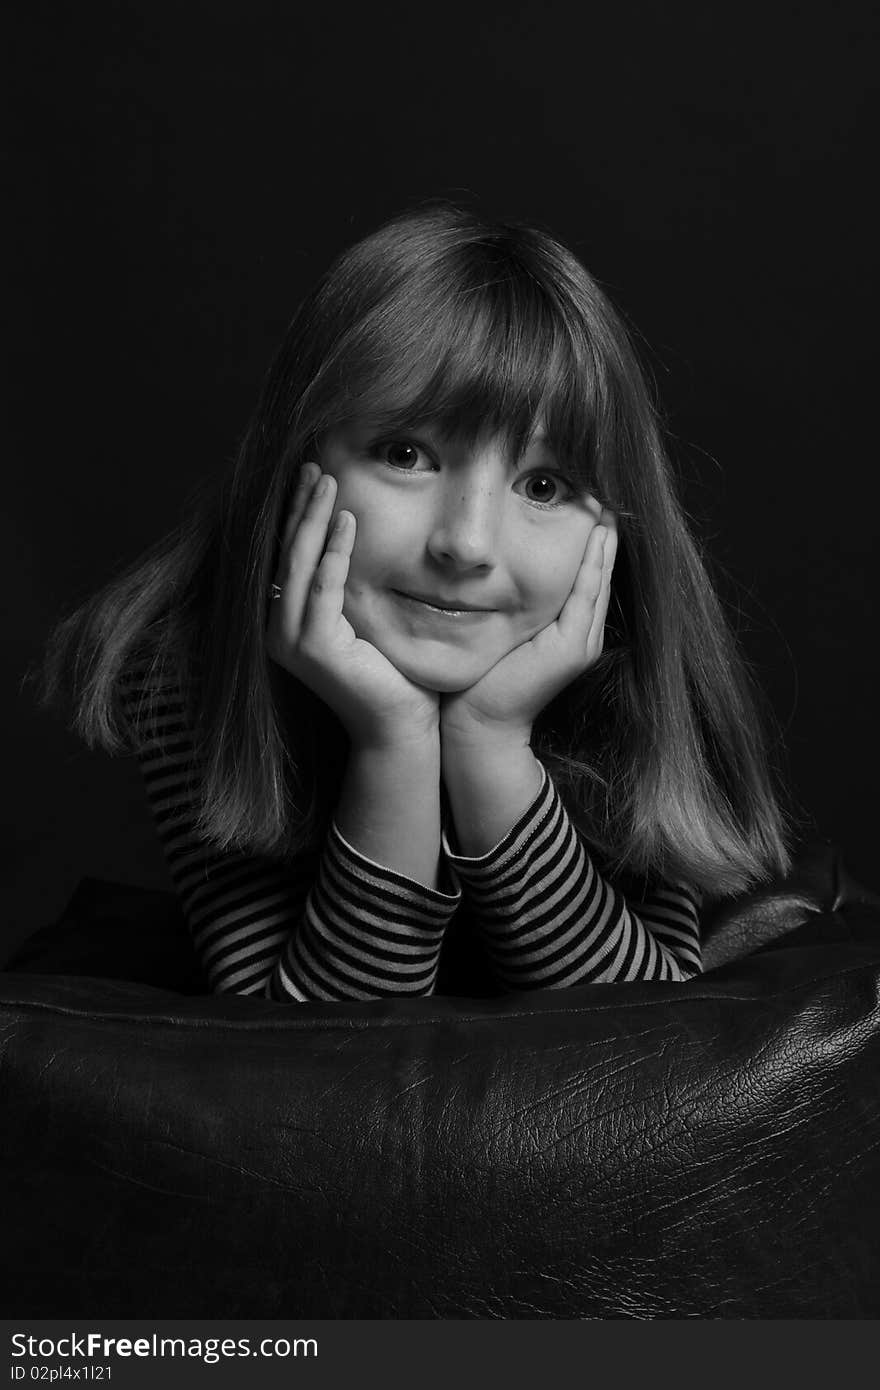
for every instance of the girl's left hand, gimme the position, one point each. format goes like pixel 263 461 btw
pixel 507 700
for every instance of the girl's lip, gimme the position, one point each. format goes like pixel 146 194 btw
pixel 443 610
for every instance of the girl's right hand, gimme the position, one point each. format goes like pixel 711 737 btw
pixel 308 635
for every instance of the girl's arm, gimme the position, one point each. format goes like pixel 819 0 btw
pixel 325 925
pixel 549 919
pixel 384 847
pixel 377 913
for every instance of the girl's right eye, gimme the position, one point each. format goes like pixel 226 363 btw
pixel 402 454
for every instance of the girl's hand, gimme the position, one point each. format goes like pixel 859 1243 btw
pixel 507 700
pixel 308 635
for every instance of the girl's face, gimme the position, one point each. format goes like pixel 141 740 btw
pixel 460 556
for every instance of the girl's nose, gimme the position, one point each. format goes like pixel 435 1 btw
pixel 465 530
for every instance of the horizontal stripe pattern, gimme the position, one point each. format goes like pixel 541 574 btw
pixel 550 920
pixel 332 925
pixel 328 925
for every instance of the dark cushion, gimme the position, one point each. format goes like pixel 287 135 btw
pixel 707 1150
pixel 115 931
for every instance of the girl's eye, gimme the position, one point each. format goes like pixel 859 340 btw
pixel 400 453
pixel 547 489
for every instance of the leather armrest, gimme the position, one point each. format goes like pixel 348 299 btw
pixel 708 1149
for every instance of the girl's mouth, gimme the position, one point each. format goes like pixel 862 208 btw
pixel 425 606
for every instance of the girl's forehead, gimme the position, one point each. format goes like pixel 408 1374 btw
pixel 444 430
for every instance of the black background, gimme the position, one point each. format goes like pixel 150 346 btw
pixel 180 174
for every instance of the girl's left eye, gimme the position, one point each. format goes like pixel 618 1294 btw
pixel 544 489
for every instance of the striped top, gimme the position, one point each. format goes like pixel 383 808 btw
pixel 329 924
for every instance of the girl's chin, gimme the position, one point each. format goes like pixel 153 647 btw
pixel 443 681
pixel 447 663
pixel 442 672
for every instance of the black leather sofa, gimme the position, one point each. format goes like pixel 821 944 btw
pixel 707 1150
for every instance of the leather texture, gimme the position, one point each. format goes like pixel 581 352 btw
pixel 700 1150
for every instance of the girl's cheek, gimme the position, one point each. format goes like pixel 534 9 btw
pixel 371 542
pixel 554 564
pixel 359 499
pixel 553 587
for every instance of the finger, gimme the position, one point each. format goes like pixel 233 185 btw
pixel 596 636
pixel 309 474
pixel 304 553
pixel 577 613
pixel 327 592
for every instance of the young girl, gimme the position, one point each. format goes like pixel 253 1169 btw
pixel 438 661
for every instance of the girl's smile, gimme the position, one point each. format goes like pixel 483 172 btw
pixel 443 608
pixel 461 555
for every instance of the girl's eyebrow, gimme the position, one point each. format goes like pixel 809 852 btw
pixel 367 424
pixel 541 439
pixel 432 433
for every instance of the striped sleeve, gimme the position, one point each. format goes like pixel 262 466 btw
pixel 367 929
pixel 548 919
pixel 326 924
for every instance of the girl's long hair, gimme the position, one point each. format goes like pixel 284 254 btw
pixel 660 750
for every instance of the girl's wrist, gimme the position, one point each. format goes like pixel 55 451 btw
pixel 475 737
pixel 399 737
pixel 488 789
